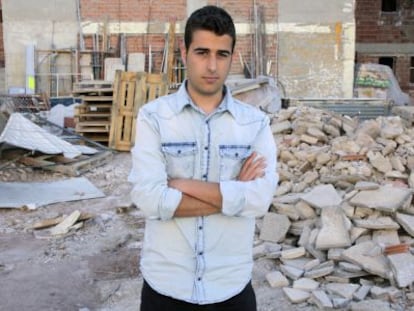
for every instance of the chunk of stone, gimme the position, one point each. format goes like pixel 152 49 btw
pixel 340 302
pixel 349 266
pixel 323 269
pixel 280 127
pixel 321 299
pixel 277 279
pixel 304 210
pixel 274 227
pixel 342 290
pixel 402 266
pixel 333 233
pixel 362 292
pixel 386 237
pixel 386 198
pixel 335 253
pixel 306 284
pixel 293 253
pixel 380 223
pixel 322 196
pixel 381 163
pixel 296 295
pixel 291 272
pixel 359 255
pixel 407 222
pixel 366 185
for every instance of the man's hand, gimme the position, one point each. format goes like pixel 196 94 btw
pixel 252 168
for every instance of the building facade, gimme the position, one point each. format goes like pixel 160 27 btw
pixel 385 35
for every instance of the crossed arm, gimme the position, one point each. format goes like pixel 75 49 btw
pixel 200 198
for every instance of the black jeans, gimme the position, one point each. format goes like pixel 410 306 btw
pixel 153 301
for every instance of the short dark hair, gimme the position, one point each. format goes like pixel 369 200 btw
pixel 210 18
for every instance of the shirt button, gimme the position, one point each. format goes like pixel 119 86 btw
pixel 204 176
pixel 206 148
pixel 200 228
pixel 199 279
pixel 200 253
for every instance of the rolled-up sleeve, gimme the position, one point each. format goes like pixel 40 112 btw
pixel 150 192
pixel 253 198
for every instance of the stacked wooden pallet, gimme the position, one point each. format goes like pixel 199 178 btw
pixel 93 115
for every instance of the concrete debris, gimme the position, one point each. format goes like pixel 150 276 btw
pixel 343 212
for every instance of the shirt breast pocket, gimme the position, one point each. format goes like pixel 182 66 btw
pixel 232 158
pixel 180 157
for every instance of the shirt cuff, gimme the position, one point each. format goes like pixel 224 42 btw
pixel 169 203
pixel 233 198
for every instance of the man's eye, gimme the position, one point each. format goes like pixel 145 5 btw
pixel 224 55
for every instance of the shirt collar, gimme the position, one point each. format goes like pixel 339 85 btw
pixel 183 100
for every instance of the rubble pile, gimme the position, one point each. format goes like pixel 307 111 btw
pixel 341 225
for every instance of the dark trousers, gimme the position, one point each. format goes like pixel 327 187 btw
pixel 153 301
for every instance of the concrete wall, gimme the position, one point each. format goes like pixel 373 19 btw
pixel 316 48
pixel 48 24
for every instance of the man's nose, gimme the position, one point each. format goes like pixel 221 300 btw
pixel 212 63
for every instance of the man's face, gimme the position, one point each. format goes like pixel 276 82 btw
pixel 208 61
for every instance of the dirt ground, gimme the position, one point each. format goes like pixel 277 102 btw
pixel 94 267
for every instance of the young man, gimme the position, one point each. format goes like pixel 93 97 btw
pixel 204 166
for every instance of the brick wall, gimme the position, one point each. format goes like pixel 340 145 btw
pixel 161 11
pixel 375 26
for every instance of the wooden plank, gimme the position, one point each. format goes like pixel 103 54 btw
pixel 89 98
pixel 170 56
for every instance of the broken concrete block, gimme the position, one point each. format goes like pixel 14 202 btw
pixel 349 266
pixel 342 290
pixel 323 269
pixel 321 299
pixel 380 223
pixel 333 233
pixel 377 265
pixel 402 266
pixel 362 292
pixel 280 127
pixel 291 272
pixel 340 302
pixel 322 196
pixel 407 222
pixel 277 279
pixel 386 198
pixel 296 295
pixel 386 237
pixel 366 185
pixel 293 253
pixel 381 163
pixel 274 227
pixel 306 284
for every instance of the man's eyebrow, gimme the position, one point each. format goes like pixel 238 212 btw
pixel 201 49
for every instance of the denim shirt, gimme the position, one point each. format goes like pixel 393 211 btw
pixel 204 259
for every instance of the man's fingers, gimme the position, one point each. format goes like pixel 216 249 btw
pixel 252 168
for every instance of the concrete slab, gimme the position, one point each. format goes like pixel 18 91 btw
pixel 358 254
pixel 402 266
pixel 333 233
pixel 385 198
pixel 322 196
pixel 274 227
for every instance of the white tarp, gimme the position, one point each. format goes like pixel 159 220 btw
pixel 21 132
pixel 35 194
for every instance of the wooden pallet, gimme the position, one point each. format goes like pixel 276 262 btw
pixel 93 117
pixel 131 91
